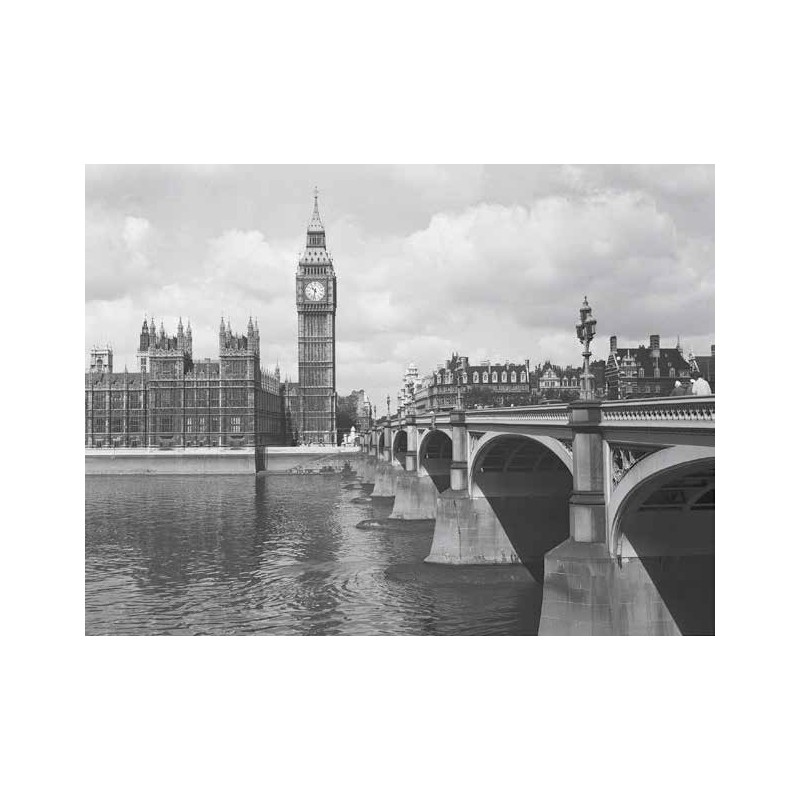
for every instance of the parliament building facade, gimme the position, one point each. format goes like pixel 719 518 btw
pixel 172 400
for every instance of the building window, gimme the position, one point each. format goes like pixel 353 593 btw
pixel 672 372
pixel 641 372
pixel 504 376
pixel 475 377
pixel 486 377
pixel 189 424
pixel 513 377
pixel 236 424
pixel 523 377
pixel 494 377
pixel 656 372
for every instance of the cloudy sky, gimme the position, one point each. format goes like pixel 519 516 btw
pixel 491 262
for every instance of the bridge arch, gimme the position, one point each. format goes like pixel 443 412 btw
pixel 488 440
pixel 662 513
pixel 524 482
pixel 399 447
pixel 435 456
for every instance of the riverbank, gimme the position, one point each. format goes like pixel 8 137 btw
pixel 219 460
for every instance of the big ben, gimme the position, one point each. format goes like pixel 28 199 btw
pixel 316 337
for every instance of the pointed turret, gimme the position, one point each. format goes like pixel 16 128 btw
pixel 189 337
pixel 144 336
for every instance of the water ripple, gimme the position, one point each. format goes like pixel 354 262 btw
pixel 277 554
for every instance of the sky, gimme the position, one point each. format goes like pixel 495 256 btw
pixel 486 261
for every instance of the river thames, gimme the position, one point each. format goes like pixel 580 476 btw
pixel 280 554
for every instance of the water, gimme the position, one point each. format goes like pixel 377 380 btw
pixel 279 554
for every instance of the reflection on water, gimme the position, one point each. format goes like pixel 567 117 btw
pixel 279 554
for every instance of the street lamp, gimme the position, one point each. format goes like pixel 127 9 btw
pixel 585 330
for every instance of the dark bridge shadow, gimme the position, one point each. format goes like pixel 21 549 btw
pixel 670 526
pixel 436 457
pixel 399 448
pixel 528 488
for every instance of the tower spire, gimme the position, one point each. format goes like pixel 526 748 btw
pixel 315 225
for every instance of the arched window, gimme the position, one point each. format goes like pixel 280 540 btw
pixel 672 372
pixel 486 377
pixel 523 377
pixel 504 377
pixel 513 377
pixel 475 377
pixel 494 377
pixel 656 372
pixel 641 372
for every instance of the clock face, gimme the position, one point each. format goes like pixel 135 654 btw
pixel 315 290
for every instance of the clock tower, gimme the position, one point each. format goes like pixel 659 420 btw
pixel 316 337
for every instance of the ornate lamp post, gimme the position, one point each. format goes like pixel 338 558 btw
pixel 585 330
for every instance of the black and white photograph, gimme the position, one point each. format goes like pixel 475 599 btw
pixel 398 339
pixel 400 400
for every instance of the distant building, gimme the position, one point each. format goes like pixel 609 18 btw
pixel 412 383
pixel 552 382
pixel 485 384
pixel 174 401
pixel 646 371
pixel 364 411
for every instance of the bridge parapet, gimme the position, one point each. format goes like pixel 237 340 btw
pixel 668 411
pixel 524 415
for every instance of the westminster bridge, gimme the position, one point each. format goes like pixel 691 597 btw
pixel 609 504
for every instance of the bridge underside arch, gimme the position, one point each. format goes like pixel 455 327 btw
pixel 435 458
pixel 527 484
pixel 665 518
pixel 399 448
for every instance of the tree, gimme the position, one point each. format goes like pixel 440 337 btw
pixel 477 395
pixel 346 413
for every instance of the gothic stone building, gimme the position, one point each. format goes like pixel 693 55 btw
pixel 316 338
pixel 174 401
pixel 646 371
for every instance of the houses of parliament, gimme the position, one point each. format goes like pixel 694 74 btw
pixel 173 400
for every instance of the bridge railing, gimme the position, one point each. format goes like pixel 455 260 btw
pixel 678 411
pixel 659 410
pixel 521 415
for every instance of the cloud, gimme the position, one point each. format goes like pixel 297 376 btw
pixel 496 268
pixel 119 255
